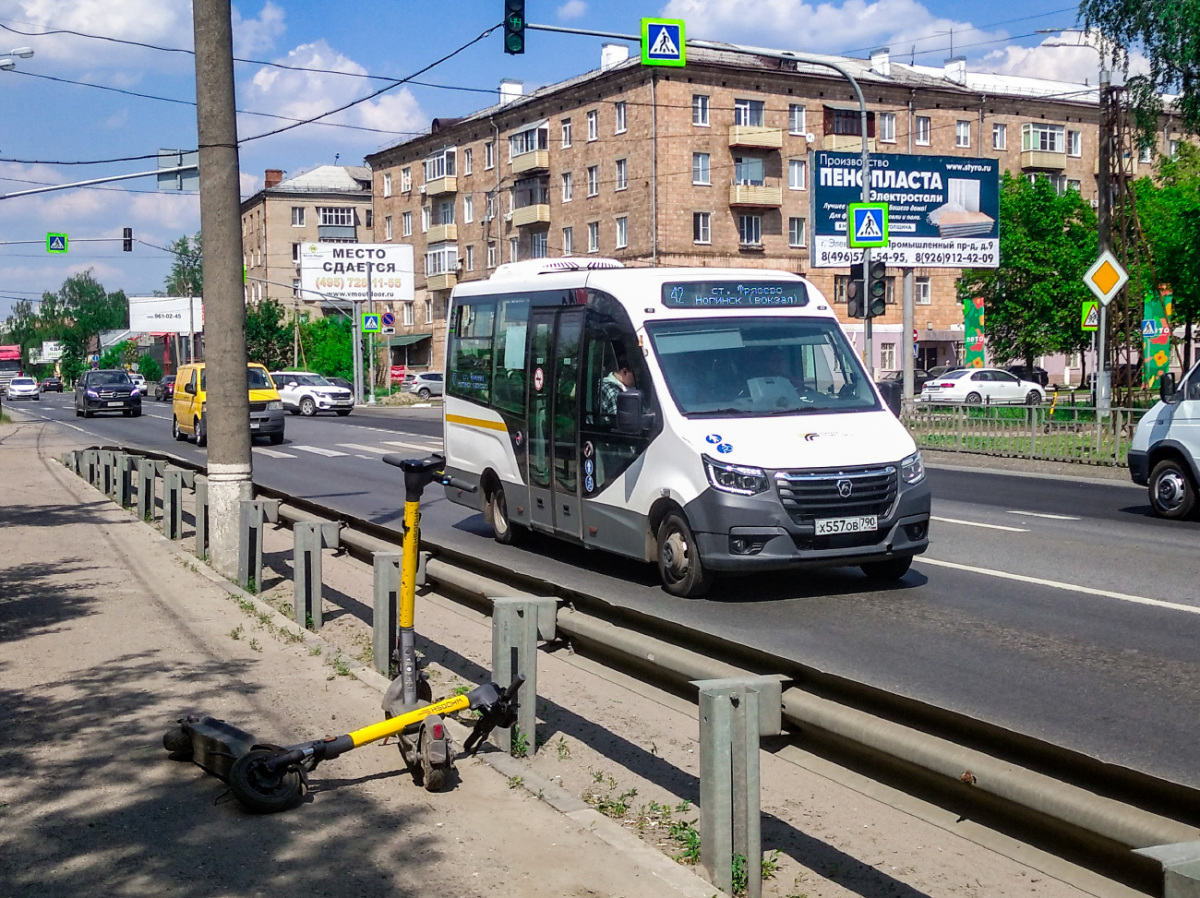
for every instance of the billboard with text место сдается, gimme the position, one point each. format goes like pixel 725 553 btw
pixel 342 271
pixel 943 211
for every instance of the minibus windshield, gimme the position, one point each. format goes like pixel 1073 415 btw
pixel 759 366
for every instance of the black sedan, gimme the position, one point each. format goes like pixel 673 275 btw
pixel 107 390
pixel 920 375
pixel 52 385
pixel 165 389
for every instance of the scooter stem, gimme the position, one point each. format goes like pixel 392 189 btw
pixel 408 600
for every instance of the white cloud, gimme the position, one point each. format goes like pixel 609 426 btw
pixel 257 35
pixel 572 9
pixel 1062 63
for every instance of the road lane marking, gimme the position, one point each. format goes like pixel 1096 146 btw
pixel 273 453
pixel 1056 584
pixel 317 450
pixel 1046 515
pixel 423 448
pixel 977 524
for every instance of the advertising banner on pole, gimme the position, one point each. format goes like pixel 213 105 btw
pixel 166 314
pixel 340 271
pixel 943 211
pixel 1156 340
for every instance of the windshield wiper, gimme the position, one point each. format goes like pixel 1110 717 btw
pixel 720 413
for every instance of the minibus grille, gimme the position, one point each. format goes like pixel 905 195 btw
pixel 258 406
pixel 808 495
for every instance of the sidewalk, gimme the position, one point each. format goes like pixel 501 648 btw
pixel 108 633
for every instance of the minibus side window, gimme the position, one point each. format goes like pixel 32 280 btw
pixel 471 351
pixel 508 376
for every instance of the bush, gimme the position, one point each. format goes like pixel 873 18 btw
pixel 149 368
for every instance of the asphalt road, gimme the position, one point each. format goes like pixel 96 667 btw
pixel 1057 608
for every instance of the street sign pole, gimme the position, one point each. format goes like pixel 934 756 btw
pixel 371 341
pixel 358 372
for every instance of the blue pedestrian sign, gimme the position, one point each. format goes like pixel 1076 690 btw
pixel 56 243
pixel 868 225
pixel 370 323
pixel 1149 327
pixel 663 42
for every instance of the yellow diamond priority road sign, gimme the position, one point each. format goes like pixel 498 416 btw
pixel 1106 277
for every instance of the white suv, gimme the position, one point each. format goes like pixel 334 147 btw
pixel 306 394
pixel 140 380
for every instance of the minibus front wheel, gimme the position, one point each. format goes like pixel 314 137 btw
pixel 679 564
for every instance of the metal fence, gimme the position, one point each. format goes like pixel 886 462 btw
pixel 1079 434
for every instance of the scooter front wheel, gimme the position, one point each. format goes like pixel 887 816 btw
pixel 259 789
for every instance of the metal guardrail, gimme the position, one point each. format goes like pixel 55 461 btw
pixel 1072 805
pixel 1079 434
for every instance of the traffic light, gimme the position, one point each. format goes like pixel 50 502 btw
pixel 127 240
pixel 877 289
pixel 514 27
pixel 856 293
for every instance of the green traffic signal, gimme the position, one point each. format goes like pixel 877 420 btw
pixel 514 27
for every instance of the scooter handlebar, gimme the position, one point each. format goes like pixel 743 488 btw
pixel 460 484
pixel 500 712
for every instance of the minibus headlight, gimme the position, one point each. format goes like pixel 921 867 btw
pixel 912 469
pixel 736 479
pixel 275 405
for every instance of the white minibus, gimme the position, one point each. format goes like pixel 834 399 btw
pixel 711 420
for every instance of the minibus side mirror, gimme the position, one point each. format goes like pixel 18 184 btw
pixel 188 388
pixel 630 418
pixel 893 394
pixel 1166 387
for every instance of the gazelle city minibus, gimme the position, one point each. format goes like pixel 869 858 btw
pixel 711 420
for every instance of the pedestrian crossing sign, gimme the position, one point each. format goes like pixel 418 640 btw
pixel 1090 318
pixel 370 323
pixel 663 42
pixel 868 225
pixel 56 243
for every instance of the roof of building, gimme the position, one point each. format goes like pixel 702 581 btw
pixel 329 177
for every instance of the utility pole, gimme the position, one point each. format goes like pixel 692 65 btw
pixel 228 413
pixel 1104 223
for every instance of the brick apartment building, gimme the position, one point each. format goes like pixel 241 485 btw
pixel 707 165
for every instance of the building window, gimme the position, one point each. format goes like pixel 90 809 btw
pixel 748 170
pixel 426 218
pixel 428 311
pixel 700 110
pixel 887 127
pixel 749 113
pixel 568 187
pixel 538 245
pixel 297 216
pixel 750 230
pixel 468 209
pixel 962 134
pixel 798 174
pixel 622 180
pixel 491 254
pixel 1172 147
pixel 441 258
pixel 1146 155
pixel 1040 136
pixel 489 155
pixel 295 286
pixel 566 132
pixel 797 232
pixel 406 180
pixel 370 221
pixel 701 227
pixel 468 161
pixel 295 253
pixel 887 356
pixel 387 184
pixel 1057 180
pixel 440 164
pixel 622 232
pixel 848 122
pixel 387 227
pixel 619 114
pixel 336 216
pixel 491 207
pixel 796 119
pixel 408 314
pixel 593 237
pixel 514 248
pixel 469 261
pixel 528 141
pixel 593 124
pixel 1077 186
pixel 445 212
pixel 700 169
pixel 923 130
pixel 568 241
pixel 1075 143
pixel 406 224
pixel 999 136
pixel 593 175
pixel 922 291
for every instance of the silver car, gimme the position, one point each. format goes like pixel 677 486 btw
pixel 23 388
pixel 424 384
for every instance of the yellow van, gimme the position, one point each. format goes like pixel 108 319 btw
pixel 191 401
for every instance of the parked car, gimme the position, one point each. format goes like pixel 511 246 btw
pixel 424 384
pixel 165 388
pixel 306 394
pixel 1124 374
pixel 341 382
pixel 920 375
pixel 1037 375
pixel 52 384
pixel 139 381
pixel 107 390
pixel 976 386
pixel 939 370
pixel 23 388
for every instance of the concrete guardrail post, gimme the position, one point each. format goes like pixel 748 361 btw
pixel 516 625
pixel 87 465
pixel 124 480
pixel 147 472
pixel 386 619
pixel 173 502
pixel 253 514
pixel 200 486
pixel 734 714
pixel 311 537
pixel 104 471
pixel 73 460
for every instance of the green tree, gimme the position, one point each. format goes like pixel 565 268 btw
pixel 187 271
pixel 328 346
pixel 1032 301
pixel 123 355
pixel 76 314
pixel 268 335
pixel 148 366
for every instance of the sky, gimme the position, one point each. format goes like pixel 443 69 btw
pixel 116 81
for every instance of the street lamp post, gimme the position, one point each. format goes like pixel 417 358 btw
pixel 8 62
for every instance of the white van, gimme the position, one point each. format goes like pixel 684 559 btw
pixel 1165 452
pixel 712 420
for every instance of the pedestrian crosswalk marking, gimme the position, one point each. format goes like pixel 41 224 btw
pixel 317 450
pixel 423 448
pixel 272 453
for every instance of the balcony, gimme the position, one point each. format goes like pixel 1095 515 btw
pixel 444 281
pixel 755 195
pixel 446 184
pixel 539 213
pixel 755 136
pixel 846 143
pixel 537 160
pixel 1043 160
pixel 441 233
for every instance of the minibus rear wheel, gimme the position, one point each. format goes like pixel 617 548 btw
pixel 679 564
pixel 497 508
